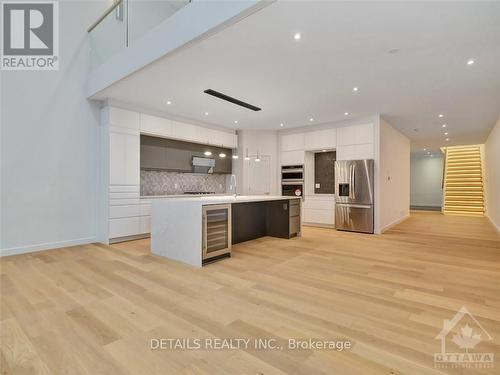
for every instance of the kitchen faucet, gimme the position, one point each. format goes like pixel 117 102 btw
pixel 233 178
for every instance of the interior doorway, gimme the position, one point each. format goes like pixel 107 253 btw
pixel 426 179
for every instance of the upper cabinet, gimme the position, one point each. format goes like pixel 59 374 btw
pixel 120 118
pixel 186 132
pixel 156 125
pixel 355 135
pixel 292 142
pixel 223 139
pixel 162 127
pixel 320 139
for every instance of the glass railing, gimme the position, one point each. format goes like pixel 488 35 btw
pixel 125 22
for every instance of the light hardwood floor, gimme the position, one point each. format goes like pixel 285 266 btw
pixel 94 309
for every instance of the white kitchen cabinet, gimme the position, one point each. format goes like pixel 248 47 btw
pixel 124 156
pixel 364 151
pixel 292 158
pixel 319 209
pixel 363 134
pixel 122 118
pixel 321 217
pixel 355 135
pixel 346 136
pixel 355 152
pixel 154 125
pixel 259 176
pixel 221 138
pixel 320 139
pixel 292 142
pixel 124 227
pixel 186 132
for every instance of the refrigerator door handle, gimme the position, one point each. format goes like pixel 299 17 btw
pixel 354 205
pixel 350 182
pixel 354 181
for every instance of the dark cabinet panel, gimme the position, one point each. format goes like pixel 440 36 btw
pixel 153 154
pixel 251 220
pixel 168 154
pixel 179 160
pixel 324 169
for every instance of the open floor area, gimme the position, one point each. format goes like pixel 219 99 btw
pixel 97 309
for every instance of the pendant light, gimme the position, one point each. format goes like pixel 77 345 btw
pixel 257 159
pixel 247 157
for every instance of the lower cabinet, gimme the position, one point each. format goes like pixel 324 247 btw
pixel 128 214
pixel 319 210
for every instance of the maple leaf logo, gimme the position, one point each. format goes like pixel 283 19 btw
pixel 466 339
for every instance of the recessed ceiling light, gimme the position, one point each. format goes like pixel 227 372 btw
pixel 206 113
pixel 447 139
pixel 346 113
pixel 444 125
pixel 311 119
pixel 440 115
pixel 222 155
pixel 235 156
pixel 425 149
pixel 445 133
pixel 470 62
pixel 323 150
pixel 169 102
pixel 282 124
pixel 297 36
pixel 355 89
pixel 235 121
pixel 207 153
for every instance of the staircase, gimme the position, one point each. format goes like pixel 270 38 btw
pixel 463 181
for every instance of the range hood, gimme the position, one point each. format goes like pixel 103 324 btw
pixel 203 165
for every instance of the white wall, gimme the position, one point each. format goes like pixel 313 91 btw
pixel 394 177
pixel 426 180
pixel 266 143
pixel 492 163
pixel 49 149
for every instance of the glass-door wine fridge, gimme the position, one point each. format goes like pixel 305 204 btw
pixel 216 231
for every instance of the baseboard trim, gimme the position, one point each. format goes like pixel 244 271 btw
pixel 319 225
pixel 394 223
pixel 45 246
pixel 425 208
pixel 493 223
pixel 129 238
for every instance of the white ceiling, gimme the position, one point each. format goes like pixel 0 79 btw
pixel 343 45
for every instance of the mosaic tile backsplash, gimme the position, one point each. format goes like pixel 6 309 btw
pixel 172 183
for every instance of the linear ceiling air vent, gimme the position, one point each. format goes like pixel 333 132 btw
pixel 230 99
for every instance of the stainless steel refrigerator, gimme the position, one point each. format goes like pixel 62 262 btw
pixel 354 195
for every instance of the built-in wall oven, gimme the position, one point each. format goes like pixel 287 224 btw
pixel 292 180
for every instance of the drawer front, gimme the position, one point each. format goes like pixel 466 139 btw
pixel 122 227
pixel 124 211
pixel 319 204
pixel 294 210
pixel 314 216
pixel 294 225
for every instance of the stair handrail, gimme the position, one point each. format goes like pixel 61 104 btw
pixel 443 185
pixel 112 7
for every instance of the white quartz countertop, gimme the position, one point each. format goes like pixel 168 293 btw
pixel 221 199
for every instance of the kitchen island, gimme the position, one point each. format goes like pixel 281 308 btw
pixel 197 230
